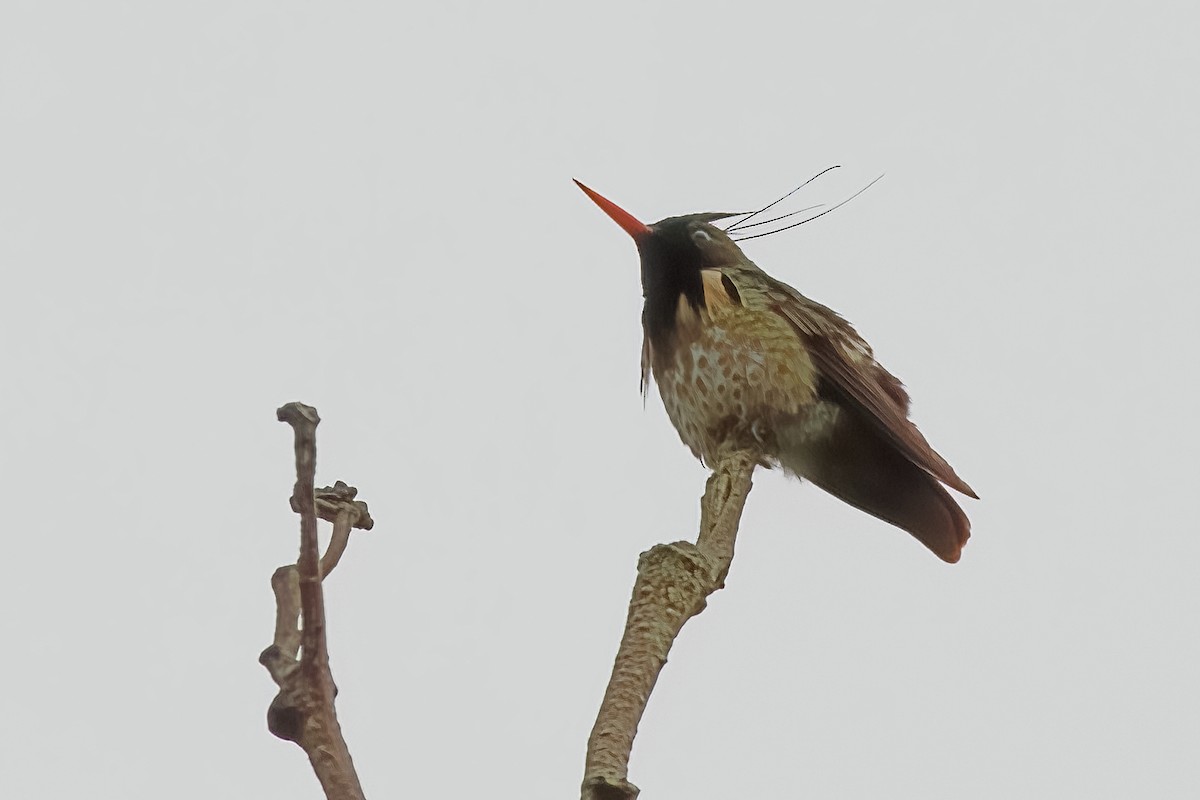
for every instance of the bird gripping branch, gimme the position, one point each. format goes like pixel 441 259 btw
pixel 745 362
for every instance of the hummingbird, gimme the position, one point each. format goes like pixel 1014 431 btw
pixel 743 361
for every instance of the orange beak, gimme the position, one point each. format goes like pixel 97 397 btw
pixel 627 221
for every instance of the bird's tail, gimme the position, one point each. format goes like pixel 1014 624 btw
pixel 851 460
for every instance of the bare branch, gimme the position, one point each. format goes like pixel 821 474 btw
pixel 303 710
pixel 673 584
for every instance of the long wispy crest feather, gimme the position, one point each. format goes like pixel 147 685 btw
pixel 741 227
pixel 742 223
pixel 801 222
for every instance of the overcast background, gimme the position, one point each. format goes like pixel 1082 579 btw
pixel 209 209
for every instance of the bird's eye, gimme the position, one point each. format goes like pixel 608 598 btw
pixel 701 237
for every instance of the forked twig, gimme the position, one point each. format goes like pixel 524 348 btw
pixel 298 659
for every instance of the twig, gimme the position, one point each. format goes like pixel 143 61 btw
pixel 303 710
pixel 673 584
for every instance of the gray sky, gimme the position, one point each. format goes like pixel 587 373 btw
pixel 207 210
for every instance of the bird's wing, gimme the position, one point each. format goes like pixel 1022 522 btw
pixel 844 359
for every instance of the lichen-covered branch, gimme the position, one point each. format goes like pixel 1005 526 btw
pixel 298 661
pixel 673 584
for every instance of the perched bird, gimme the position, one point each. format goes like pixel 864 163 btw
pixel 745 362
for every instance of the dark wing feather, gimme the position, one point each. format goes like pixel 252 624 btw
pixel 844 359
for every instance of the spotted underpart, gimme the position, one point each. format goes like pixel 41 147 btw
pixel 732 373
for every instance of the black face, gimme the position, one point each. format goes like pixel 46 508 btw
pixel 672 258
